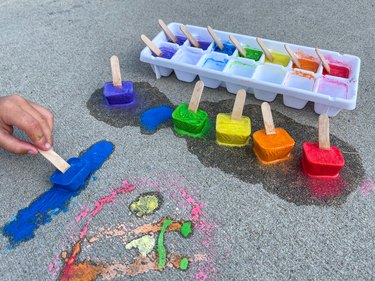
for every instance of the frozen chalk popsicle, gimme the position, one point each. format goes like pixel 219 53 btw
pixel 321 160
pixel 239 47
pixel 273 57
pixel 81 168
pixel 165 52
pixel 118 93
pixel 246 52
pixel 194 42
pixel 295 60
pixel 188 120
pixel 334 69
pixel 271 144
pixel 234 129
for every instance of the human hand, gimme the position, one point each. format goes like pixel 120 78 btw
pixel 33 119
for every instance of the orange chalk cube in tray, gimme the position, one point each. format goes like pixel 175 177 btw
pixel 271 144
pixel 322 160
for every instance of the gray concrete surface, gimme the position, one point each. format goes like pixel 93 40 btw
pixel 57 54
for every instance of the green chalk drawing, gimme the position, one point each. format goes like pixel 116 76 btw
pixel 184 263
pixel 186 229
pixel 145 244
pixel 146 204
pixel 162 251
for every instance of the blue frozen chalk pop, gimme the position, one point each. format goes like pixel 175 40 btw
pixel 73 174
pixel 74 177
pixel 118 93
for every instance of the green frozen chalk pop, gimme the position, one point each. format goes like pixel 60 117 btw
pixel 188 120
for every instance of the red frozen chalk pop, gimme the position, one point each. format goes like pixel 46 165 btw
pixel 322 160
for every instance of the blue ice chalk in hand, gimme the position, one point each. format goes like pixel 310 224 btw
pixel 57 198
pixel 119 96
pixel 74 177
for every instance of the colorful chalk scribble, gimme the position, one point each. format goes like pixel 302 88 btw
pixel 147 246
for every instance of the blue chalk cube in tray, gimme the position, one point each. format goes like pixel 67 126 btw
pixel 116 96
pixel 262 78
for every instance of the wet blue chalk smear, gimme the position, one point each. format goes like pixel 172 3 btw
pixel 55 200
pixel 152 118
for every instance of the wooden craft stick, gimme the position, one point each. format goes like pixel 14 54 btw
pixel 196 96
pixel 238 105
pixel 324 61
pixel 267 119
pixel 167 31
pixel 55 159
pixel 116 73
pixel 267 52
pixel 238 45
pixel 324 142
pixel 151 45
pixel 189 36
pixel 215 37
pixel 292 56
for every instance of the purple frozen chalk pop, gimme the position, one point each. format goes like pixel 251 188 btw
pixel 118 93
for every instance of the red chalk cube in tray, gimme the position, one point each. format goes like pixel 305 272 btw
pixel 330 92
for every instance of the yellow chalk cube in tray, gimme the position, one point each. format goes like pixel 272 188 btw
pixel 232 132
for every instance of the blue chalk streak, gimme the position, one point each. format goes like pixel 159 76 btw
pixel 152 118
pixel 52 202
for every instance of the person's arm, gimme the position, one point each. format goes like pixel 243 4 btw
pixel 33 119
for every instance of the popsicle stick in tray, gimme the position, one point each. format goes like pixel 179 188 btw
pixel 167 31
pixel 323 60
pixel 190 37
pixel 151 45
pixel 235 42
pixel 267 52
pixel 292 56
pixel 215 38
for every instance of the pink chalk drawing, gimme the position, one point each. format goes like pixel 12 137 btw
pixel 72 262
pixel 367 186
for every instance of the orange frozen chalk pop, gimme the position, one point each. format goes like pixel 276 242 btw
pixel 271 144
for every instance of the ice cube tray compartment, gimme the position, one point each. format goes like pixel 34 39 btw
pixel 330 93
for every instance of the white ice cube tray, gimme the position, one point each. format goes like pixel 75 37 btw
pixel 265 80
